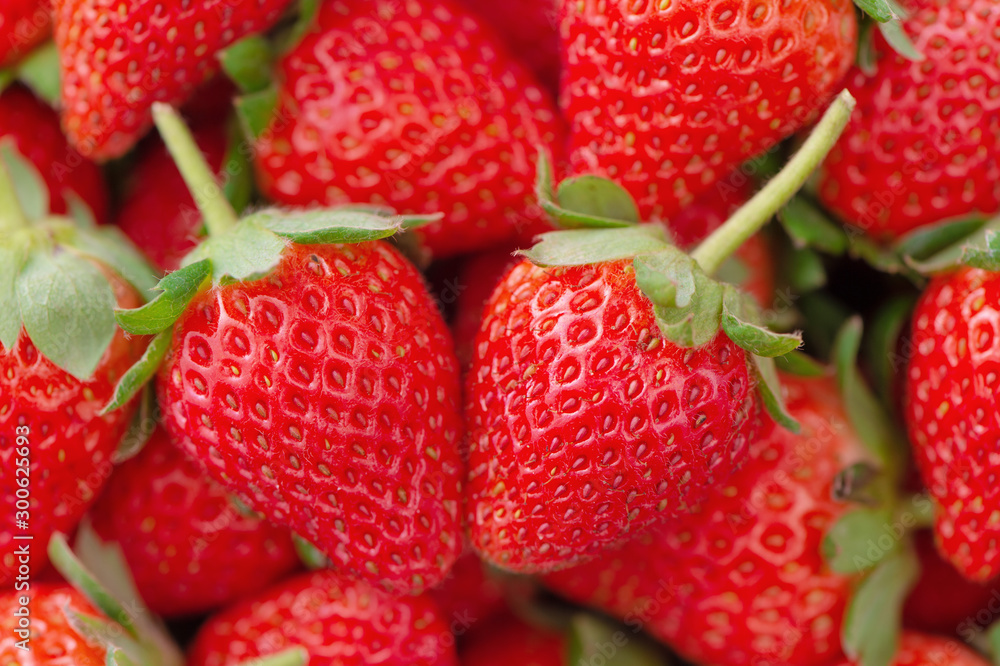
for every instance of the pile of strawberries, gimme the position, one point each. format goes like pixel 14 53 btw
pixel 439 332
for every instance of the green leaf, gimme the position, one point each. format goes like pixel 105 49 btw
pixel 139 374
pixel 237 172
pixel 176 291
pixel 699 321
pixel 142 426
pixel 799 364
pixel 544 180
pixel 666 277
pixel 595 640
pixel 39 70
pixel 733 271
pixel 886 361
pixel 255 110
pixel 331 225
pixel 107 634
pixel 867 416
pixel 296 656
pixel 310 555
pixel 808 226
pixel 110 246
pixel 11 260
pixel 67 307
pixel 804 270
pixel 858 541
pixel 302 25
pixel 770 393
pixel 928 241
pixel 987 258
pixel 598 197
pixel 31 189
pixel 866 57
pixel 873 621
pixel 593 246
pixel 248 62
pixel 748 335
pixel 880 10
pixel 886 260
pixel 900 42
pixel 79 211
pixel 247 252
pixel 7 77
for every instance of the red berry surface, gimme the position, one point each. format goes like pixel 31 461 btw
pixel 24 24
pixel 53 641
pixel 924 650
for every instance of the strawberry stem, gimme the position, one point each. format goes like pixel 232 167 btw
pixel 745 222
pixel 209 197
pixel 12 216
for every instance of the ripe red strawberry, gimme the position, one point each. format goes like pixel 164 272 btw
pixel 470 594
pixel 53 642
pixel 161 52
pixel 530 28
pixel 943 602
pixel 338 623
pixel 667 97
pixel 507 640
pixel 34 128
pixel 24 24
pixel 412 104
pixel 923 145
pixel 742 580
pixel 188 547
pixel 951 414
pixel 926 650
pixel 158 213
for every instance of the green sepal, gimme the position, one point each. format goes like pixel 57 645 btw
pixel 79 211
pixel 666 277
pixel 67 308
pixel 881 258
pixel 255 110
pixel 931 240
pixel 885 360
pixel 7 77
pixel 748 335
pixel 804 270
pixel 237 172
pixel 141 372
pixel 852 544
pixel 867 416
pixel 176 291
pixel 598 198
pixel 866 57
pixel 307 10
pixel 593 197
pixel 141 427
pixel 873 620
pixel 107 634
pixel 596 640
pixel 769 388
pixel 248 62
pixel 333 225
pixel 39 70
pixel 12 258
pixel 861 483
pixel 311 556
pixel 879 10
pixel 295 656
pixel 808 226
pixel 29 185
pixel 698 322
pixel 580 247
pixel 248 251
pixel 986 258
pixel 899 41
pixel 111 247
pixel 733 271
pixel 799 364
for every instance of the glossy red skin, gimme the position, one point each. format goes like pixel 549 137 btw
pixel 924 650
pixel 326 396
pixel 585 426
pixel 507 640
pixel 34 126
pixel 188 547
pixel 530 28
pixel 339 623
pixel 742 579
pixel 53 641
pixel 952 417
pixel 703 89
pixel 470 594
pixel 159 214
pixel 942 602
pixel 24 24
pixel 923 142
pixel 421 110
pixel 159 52
pixel 70 444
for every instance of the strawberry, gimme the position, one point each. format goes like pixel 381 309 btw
pixel 951 414
pixel 48 638
pixel 943 602
pixel 666 98
pixel 61 355
pixel 188 547
pixel 530 28
pixel 508 640
pixel 477 277
pixel 742 579
pixel 607 390
pixel 158 214
pixel 924 650
pixel 162 52
pixel 923 146
pixel 34 128
pixel 313 378
pixel 337 622
pixel 411 104
pixel 24 24
pixel 470 593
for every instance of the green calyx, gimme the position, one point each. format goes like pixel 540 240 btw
pixel 888 16
pixel 597 640
pixel 129 632
pixel 51 278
